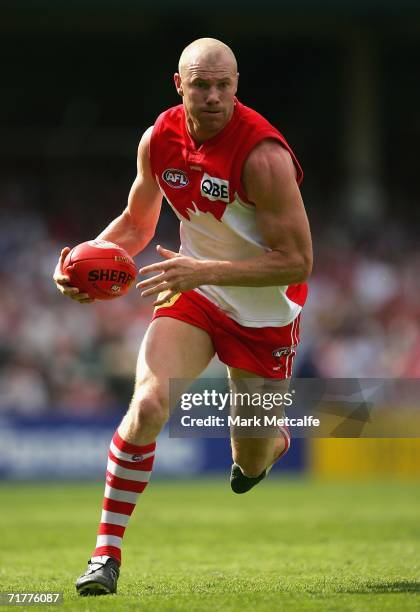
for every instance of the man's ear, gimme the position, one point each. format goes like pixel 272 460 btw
pixel 237 82
pixel 178 84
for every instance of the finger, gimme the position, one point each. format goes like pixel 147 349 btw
pixel 149 282
pixel 82 297
pixel 65 287
pixel 165 298
pixel 156 289
pixel 168 254
pixel 63 255
pixel 61 279
pixel 59 276
pixel 70 291
pixel 157 267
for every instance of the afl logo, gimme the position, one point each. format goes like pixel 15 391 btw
pixel 283 351
pixel 175 178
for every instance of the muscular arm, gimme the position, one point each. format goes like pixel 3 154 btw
pixel 269 180
pixel 135 227
pixel 270 183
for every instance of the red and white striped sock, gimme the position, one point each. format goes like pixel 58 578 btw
pixel 128 471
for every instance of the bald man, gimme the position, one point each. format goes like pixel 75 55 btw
pixel 236 287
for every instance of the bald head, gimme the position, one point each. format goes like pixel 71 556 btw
pixel 207 52
pixel 207 80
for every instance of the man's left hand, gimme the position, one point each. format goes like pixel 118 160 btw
pixel 175 274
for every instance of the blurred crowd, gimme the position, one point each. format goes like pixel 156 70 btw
pixel 361 319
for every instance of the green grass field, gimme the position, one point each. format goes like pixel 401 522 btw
pixel 288 544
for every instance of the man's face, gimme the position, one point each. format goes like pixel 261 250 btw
pixel 208 94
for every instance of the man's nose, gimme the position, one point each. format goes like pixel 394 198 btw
pixel 213 96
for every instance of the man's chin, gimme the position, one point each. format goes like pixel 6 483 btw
pixel 213 119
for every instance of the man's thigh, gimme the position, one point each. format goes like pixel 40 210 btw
pixel 172 349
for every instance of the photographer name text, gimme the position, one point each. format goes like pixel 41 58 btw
pixel 237 421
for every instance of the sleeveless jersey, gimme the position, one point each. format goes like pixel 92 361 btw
pixel 202 183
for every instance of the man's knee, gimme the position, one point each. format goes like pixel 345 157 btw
pixel 149 409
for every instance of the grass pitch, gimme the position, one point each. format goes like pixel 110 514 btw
pixel 195 546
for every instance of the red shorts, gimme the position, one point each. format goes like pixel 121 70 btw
pixel 265 351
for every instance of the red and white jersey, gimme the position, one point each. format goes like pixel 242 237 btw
pixel 202 183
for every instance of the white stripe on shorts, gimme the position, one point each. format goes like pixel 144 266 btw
pixel 289 357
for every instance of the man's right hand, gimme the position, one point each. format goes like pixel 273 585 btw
pixel 62 282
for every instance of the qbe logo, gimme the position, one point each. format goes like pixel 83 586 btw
pixel 214 188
